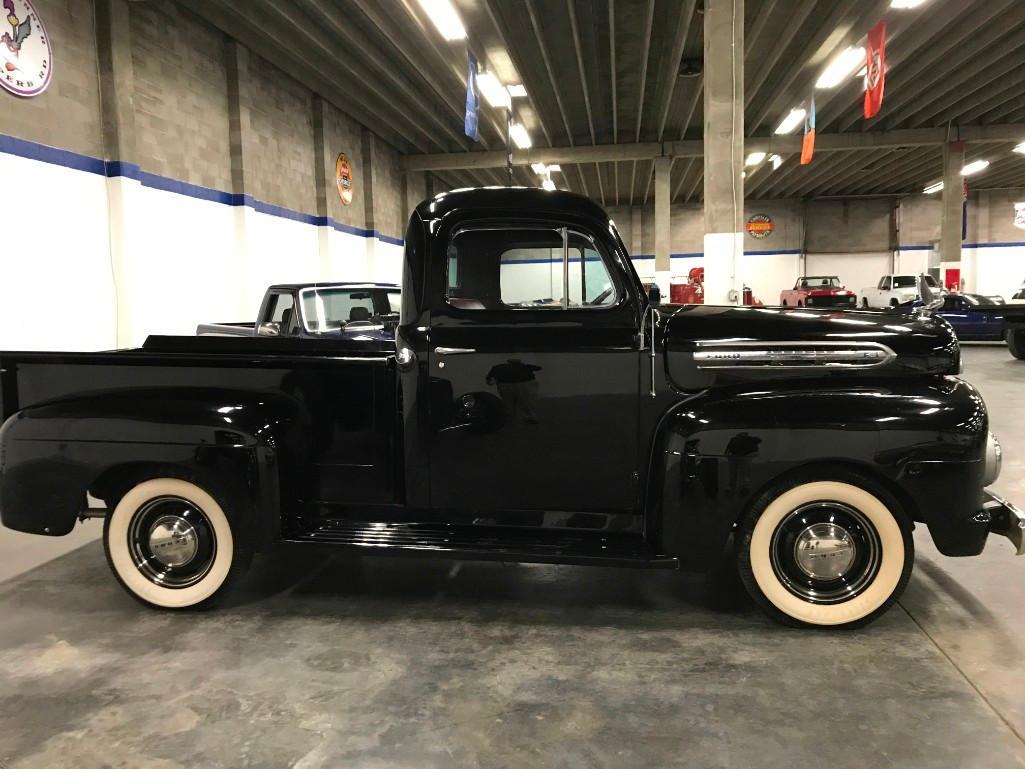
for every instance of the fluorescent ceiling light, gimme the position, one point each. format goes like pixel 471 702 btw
pixel 793 119
pixel 548 184
pixel 539 168
pixel 905 5
pixel 554 169
pixel 842 67
pixel 493 90
pixel 445 18
pixel 520 136
pixel 974 167
pixel 517 91
pixel 776 161
pixel 1020 149
pixel 754 158
pixel 933 188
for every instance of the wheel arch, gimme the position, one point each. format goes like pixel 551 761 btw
pixel 103 444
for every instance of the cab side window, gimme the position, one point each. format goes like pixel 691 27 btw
pixel 527 268
pixel 282 312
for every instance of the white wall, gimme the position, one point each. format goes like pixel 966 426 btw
pixel 993 270
pixel 56 289
pixel 182 260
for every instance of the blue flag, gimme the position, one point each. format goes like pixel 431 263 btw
pixel 470 127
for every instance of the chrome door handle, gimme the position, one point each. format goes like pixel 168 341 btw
pixel 453 350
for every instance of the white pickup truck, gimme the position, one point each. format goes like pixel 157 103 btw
pixel 893 290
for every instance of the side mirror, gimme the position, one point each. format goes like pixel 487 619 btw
pixel 268 329
pixel 654 294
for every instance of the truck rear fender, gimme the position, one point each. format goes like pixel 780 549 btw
pixel 53 453
pixel 716 453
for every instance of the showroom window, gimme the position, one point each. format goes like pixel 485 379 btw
pixel 527 268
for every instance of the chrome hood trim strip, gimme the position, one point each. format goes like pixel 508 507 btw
pixel 753 355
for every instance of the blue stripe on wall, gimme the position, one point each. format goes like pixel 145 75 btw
pixel 116 168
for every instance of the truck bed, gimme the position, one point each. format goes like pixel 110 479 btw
pixel 340 393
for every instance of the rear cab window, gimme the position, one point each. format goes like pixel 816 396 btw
pixel 528 268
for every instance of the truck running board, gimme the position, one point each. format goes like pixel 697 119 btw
pixel 486 543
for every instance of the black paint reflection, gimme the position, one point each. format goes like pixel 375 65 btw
pixel 740 454
pixel 517 387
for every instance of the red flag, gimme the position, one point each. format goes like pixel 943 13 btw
pixel 808 144
pixel 875 66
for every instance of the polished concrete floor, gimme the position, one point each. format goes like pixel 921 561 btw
pixel 388 663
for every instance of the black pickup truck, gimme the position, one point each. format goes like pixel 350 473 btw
pixel 358 310
pixel 535 406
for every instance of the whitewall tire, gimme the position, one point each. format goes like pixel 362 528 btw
pixel 170 544
pixel 830 551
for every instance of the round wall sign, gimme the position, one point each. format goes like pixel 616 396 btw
pixel 760 226
pixel 26 59
pixel 343 178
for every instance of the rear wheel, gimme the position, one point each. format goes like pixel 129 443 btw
pixel 1016 342
pixel 170 544
pixel 828 550
pixel 894 303
pixel 800 303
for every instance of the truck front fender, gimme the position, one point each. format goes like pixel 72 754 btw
pixel 718 452
pixel 53 452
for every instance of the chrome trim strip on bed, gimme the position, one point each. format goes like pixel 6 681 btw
pixel 746 355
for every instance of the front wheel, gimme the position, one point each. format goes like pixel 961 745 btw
pixel 864 304
pixel 1016 342
pixel 829 551
pixel 171 546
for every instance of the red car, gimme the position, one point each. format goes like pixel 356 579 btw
pixel 818 291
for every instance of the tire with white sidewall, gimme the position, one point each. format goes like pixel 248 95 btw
pixel 879 549
pixel 208 555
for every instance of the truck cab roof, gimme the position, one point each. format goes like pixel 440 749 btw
pixel 331 284
pixel 522 200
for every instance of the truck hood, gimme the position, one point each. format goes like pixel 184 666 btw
pixel 708 345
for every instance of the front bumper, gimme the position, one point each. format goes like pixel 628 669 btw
pixel 1006 520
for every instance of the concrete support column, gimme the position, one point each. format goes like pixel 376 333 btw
pixel 663 239
pixel 241 144
pixel 953 186
pixel 369 220
pixel 324 181
pixel 117 94
pixel 978 232
pixel 724 150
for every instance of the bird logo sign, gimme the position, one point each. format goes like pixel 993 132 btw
pixel 26 59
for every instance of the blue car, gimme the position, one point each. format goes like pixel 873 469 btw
pixel 973 316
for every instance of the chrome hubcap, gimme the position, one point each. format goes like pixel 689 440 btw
pixel 824 551
pixel 173 541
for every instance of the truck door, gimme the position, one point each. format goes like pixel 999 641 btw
pixel 534 371
pixel 882 293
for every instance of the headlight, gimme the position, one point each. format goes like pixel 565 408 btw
pixel 994 458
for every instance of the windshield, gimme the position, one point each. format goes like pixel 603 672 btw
pixel 978 300
pixel 334 308
pixel 819 282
